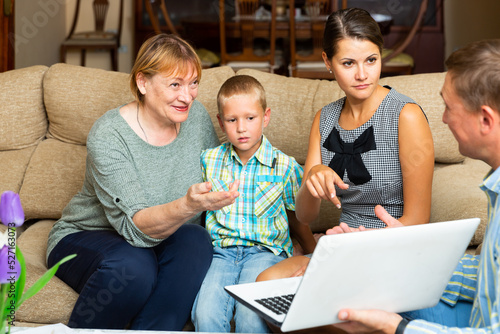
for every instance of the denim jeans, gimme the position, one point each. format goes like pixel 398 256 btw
pixel 444 314
pixel 145 288
pixel 214 308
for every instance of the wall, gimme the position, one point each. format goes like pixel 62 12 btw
pixel 39 39
pixel 467 21
pixel 39 30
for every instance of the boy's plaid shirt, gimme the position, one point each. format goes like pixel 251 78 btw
pixel 258 217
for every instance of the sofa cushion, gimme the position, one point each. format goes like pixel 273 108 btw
pixel 211 81
pixel 23 122
pixel 14 164
pixel 456 194
pixel 422 89
pixel 54 175
pixel 54 303
pixel 75 97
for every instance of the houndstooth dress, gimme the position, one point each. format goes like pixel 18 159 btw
pixel 384 182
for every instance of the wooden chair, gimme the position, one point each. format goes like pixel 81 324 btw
pixel 248 55
pixel 309 63
pixel 97 39
pixel 395 61
pixel 156 7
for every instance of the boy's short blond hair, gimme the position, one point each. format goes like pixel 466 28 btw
pixel 241 85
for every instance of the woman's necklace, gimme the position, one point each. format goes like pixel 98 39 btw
pixel 144 132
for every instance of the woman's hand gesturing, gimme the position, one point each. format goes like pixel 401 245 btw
pixel 321 182
pixel 200 198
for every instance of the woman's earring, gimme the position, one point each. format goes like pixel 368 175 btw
pixel 330 70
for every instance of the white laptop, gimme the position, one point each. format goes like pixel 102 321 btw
pixel 393 269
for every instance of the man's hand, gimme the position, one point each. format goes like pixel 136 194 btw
pixel 344 228
pixel 380 212
pixel 368 321
pixel 384 216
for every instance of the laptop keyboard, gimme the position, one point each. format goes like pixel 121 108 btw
pixel 278 304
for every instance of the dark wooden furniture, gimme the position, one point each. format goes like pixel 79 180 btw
pixel 158 13
pixel 243 31
pixel 309 63
pixel 7 42
pixel 202 30
pixel 97 39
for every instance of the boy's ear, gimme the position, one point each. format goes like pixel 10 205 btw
pixel 267 116
pixel 221 124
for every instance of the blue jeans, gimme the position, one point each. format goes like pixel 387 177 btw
pixel 214 307
pixel 444 314
pixel 144 288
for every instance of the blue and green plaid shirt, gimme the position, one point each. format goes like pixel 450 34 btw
pixel 258 217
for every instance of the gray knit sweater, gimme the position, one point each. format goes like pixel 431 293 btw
pixel 124 174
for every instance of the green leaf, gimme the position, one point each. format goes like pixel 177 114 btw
pixel 22 277
pixel 40 283
pixel 3 295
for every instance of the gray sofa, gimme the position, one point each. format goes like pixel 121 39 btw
pixel 46 114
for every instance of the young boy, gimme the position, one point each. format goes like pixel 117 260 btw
pixel 251 234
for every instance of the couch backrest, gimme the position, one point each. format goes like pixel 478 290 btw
pixel 294 103
pixel 74 97
pixel 425 90
pixel 23 123
pixel 51 171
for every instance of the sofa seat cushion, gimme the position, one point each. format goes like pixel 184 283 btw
pixel 14 164
pixel 54 175
pixel 456 194
pixel 54 303
pixel 21 108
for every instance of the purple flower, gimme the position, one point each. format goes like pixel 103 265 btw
pixel 11 211
pixel 10 269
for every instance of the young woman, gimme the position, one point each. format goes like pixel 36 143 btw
pixel 372 147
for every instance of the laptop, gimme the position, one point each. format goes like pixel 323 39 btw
pixel 393 269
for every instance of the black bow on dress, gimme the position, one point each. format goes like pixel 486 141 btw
pixel 348 155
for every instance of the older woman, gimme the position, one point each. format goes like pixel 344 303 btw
pixel 135 225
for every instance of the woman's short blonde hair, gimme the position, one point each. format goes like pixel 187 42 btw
pixel 166 54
